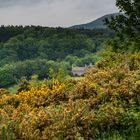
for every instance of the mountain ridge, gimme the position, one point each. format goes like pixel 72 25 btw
pixel 96 24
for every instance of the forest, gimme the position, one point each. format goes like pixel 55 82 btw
pixel 50 104
pixel 25 51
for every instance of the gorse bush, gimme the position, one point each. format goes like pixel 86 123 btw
pixel 106 101
pixel 43 95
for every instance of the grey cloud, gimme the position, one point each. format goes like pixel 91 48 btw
pixel 53 12
pixel 7 3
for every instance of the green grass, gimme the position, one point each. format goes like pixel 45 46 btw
pixel 13 89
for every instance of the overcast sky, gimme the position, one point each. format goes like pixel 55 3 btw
pixel 53 12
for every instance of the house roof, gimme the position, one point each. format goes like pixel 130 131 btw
pixel 78 68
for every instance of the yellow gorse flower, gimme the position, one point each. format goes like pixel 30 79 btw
pixel 42 91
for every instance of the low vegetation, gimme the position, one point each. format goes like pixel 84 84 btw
pixel 105 103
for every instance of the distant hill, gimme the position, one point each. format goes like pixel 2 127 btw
pixel 96 24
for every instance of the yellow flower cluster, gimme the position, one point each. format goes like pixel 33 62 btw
pixel 41 92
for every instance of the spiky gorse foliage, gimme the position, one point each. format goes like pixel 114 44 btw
pixel 107 99
pixel 17 108
pixel 42 95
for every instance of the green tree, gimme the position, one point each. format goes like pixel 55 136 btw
pixel 7 76
pixel 61 74
pixel 127 25
pixel 129 22
pixel 52 73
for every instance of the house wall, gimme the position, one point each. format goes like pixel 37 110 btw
pixel 78 72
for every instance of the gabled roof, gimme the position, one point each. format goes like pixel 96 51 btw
pixel 78 68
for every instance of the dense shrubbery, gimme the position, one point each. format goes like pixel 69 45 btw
pixel 106 100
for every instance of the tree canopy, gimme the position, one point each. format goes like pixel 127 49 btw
pixel 129 22
pixel 127 25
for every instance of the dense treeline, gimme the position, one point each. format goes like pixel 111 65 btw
pixel 22 43
pixel 24 50
pixel 12 73
pixel 8 32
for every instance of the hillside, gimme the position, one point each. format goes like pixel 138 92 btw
pixel 29 50
pixel 96 24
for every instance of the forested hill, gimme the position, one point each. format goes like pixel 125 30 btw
pixel 96 24
pixel 29 50
pixel 22 43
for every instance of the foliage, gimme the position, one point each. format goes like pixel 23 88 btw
pixel 104 104
pixel 127 25
pixel 7 75
pixel 24 85
pixel 12 73
pixel 29 50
